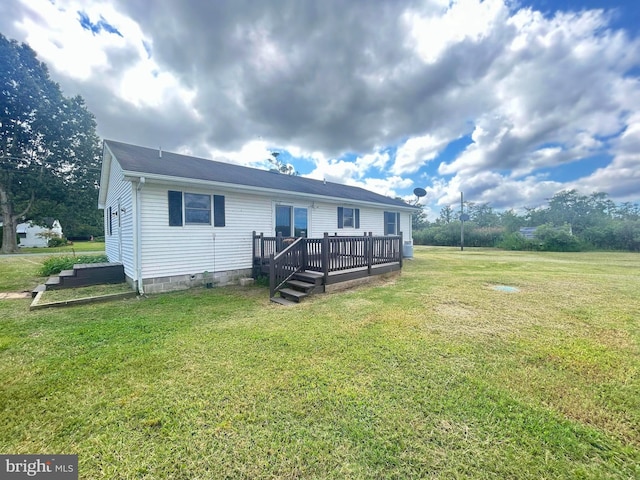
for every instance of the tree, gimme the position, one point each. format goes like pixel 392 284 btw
pixel 48 143
pixel 281 167
pixel 446 215
pixel 482 214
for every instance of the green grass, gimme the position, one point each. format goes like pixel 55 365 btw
pixel 65 294
pixel 20 273
pixel 432 374
pixel 77 247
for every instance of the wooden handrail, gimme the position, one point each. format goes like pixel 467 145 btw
pixel 285 265
pixel 324 255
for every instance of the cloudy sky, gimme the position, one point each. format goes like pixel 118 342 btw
pixel 508 101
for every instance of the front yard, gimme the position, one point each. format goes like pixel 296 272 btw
pixel 433 374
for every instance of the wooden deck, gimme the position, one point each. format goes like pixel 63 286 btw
pixel 330 259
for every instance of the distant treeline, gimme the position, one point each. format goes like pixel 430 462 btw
pixel 570 222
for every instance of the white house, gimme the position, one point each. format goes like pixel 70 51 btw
pixel 34 235
pixel 170 218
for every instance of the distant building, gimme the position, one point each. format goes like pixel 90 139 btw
pixel 530 232
pixel 33 235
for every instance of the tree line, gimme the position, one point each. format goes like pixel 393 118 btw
pixel 49 150
pixel 569 222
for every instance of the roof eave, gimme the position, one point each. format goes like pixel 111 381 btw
pixel 172 180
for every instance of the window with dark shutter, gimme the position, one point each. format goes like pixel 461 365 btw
pixel 218 211
pixel 197 208
pixel 348 217
pixel 175 208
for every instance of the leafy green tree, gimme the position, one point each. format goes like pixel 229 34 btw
pixel 280 166
pixel 482 215
pixel 48 145
pixel 511 221
pixel 446 215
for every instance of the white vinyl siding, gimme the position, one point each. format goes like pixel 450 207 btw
pixel 119 202
pixel 193 248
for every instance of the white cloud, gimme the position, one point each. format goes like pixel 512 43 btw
pixel 83 55
pixel 434 31
pixel 416 152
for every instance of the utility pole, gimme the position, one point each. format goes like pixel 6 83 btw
pixel 461 222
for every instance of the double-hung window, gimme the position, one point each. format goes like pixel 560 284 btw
pixel 348 217
pixel 195 209
pixel 391 223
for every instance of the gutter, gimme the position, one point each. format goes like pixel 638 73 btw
pixel 170 180
pixel 137 232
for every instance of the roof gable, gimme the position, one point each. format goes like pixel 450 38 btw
pixel 149 162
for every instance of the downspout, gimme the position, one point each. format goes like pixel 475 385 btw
pixel 138 234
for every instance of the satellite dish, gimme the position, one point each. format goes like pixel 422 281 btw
pixel 419 192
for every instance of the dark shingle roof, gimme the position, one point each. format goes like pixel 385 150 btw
pixel 147 161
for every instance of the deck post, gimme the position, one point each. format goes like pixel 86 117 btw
pixel 272 276
pixel 400 250
pixel 369 240
pixel 325 257
pixel 279 242
pixel 305 258
pixel 253 253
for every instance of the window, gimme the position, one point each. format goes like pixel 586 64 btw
pixel 391 223
pixel 348 217
pixel 109 222
pixel 197 209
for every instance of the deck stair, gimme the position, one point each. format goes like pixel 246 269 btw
pixel 301 285
pixel 82 275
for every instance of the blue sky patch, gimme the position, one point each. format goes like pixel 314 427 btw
pixel 97 27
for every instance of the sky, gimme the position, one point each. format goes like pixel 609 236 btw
pixel 507 101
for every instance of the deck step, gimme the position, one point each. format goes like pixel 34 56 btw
pixel 299 284
pixel 316 278
pixel 283 301
pixel 40 288
pixel 67 273
pixel 294 295
pixel 52 281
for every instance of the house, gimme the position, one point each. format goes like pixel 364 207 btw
pixel 176 221
pixel 33 235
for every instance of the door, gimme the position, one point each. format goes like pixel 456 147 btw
pixel 291 221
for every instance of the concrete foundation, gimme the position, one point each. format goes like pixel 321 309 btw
pixel 184 282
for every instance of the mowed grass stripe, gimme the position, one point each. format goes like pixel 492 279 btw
pixel 432 374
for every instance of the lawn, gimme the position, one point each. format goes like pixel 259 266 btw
pixel 432 374
pixel 75 247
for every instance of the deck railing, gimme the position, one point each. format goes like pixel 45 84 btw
pixel 325 255
pixel 286 264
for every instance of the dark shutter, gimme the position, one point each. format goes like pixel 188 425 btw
pixel 218 211
pixel 397 223
pixel 175 208
pixel 109 222
pixel 357 219
pixel 340 217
